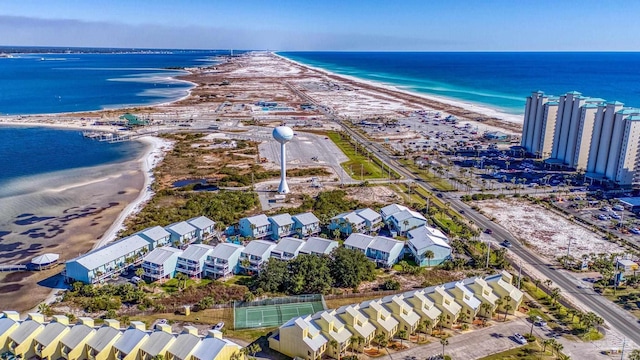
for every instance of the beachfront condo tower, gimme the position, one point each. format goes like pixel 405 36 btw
pixel 588 134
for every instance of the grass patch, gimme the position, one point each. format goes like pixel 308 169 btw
pixel 438 182
pixel 358 162
pixel 336 303
pixel 626 297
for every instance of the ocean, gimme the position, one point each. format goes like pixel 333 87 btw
pixel 496 80
pixel 43 83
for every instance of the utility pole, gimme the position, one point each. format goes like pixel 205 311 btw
pixel 519 273
pixel 624 343
pixel 568 252
pixel 488 252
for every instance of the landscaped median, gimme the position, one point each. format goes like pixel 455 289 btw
pixel 362 164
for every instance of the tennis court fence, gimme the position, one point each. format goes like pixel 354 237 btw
pixel 275 311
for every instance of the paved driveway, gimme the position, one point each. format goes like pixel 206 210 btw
pixel 497 338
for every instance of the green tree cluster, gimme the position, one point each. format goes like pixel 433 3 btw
pixel 313 274
pixel 225 207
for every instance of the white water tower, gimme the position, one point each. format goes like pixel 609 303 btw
pixel 283 134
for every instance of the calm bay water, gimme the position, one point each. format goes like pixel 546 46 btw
pixel 55 83
pixel 496 80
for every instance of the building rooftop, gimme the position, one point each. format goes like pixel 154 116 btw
pixel 75 336
pixel 259 248
pixel 184 345
pixel 196 252
pixel 113 251
pixel 289 245
pixel 161 254
pixel 385 244
pixel 155 233
pixel 181 228
pixel 369 215
pixel 129 340
pixel 201 222
pixel 359 241
pixel 50 332
pixel 24 330
pixel 258 220
pixel 282 219
pixel 225 250
pixel 307 218
pixel 407 214
pixel 103 337
pixel 423 237
pixel 318 245
pixel 209 348
pixel 389 210
pixel 156 342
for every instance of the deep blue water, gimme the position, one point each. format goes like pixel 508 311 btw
pixel 497 80
pixel 29 151
pixel 54 83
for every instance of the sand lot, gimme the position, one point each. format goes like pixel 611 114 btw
pixel 546 232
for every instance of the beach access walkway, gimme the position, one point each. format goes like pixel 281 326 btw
pixel 12 267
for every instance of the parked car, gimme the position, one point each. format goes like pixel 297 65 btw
pixel 519 339
pixel 540 321
pixel 136 280
pixel 219 326
pixel 618 207
pixel 635 231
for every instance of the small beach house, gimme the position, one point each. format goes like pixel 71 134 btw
pixel 161 263
pixel 306 224
pixel 255 227
pixel 255 255
pixel 223 261
pixel 318 246
pixel 191 261
pixel 281 226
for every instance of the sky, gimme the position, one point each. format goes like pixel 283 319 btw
pixel 325 25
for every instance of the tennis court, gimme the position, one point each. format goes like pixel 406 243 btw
pixel 272 315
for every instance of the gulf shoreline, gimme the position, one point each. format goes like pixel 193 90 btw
pixel 508 120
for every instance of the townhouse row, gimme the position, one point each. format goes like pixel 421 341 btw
pixel 162 253
pixel 57 339
pixel 226 259
pixel 398 218
pixel 308 337
pixel 112 259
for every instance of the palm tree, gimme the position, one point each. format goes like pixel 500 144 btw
pixel 486 308
pixel 558 348
pixel 441 321
pixel 419 329
pixel 335 345
pixel 499 303
pixel 444 343
pixel 548 282
pixel 381 340
pixel 182 280
pixel 462 317
pixel 353 340
pixel 429 255
pixel 555 294
pixel 235 356
pixel 402 334
pixel 507 307
pixel 547 342
pixel 44 309
pixel 635 355
pixel 537 283
pixel 532 318
pixel 427 323
pixel 139 272
pixel 254 349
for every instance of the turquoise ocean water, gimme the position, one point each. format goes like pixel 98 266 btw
pixel 496 80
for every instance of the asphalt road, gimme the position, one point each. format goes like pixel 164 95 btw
pixel 619 319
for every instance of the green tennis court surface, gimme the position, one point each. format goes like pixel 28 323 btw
pixel 272 315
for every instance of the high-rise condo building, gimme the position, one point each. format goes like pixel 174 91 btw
pixel 587 134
